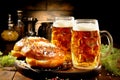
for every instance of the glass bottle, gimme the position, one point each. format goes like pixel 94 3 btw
pixel 20 25
pixel 45 30
pixel 30 26
pixel 10 34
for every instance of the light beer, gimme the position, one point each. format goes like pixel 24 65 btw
pixel 85 46
pixel 61 35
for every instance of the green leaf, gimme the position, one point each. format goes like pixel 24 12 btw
pixel 110 62
pixel 7 60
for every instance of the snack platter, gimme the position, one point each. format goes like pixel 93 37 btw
pixel 38 58
pixel 63 72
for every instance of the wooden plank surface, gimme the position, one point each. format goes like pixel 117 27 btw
pixel 6 74
pixel 19 76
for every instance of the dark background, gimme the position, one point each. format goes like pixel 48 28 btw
pixel 107 12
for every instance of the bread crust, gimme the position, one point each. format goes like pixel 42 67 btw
pixel 39 52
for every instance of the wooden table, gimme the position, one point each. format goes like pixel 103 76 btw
pixel 11 74
pixel 8 74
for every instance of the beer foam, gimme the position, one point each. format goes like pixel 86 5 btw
pixel 63 23
pixel 85 27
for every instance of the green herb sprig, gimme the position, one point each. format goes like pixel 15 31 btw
pixel 6 60
pixel 112 61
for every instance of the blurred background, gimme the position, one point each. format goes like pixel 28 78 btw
pixel 45 10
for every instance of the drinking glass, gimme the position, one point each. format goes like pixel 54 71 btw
pixel 86 43
pixel 61 34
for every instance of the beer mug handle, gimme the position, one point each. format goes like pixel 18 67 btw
pixel 110 41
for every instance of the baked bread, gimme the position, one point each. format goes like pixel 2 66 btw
pixel 39 52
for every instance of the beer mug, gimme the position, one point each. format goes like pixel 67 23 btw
pixel 61 34
pixel 86 43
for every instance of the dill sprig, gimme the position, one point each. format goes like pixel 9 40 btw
pixel 112 61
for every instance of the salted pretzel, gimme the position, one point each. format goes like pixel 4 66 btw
pixel 39 52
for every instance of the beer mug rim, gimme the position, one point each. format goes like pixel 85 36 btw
pixel 63 21
pixel 64 18
pixel 92 19
pixel 87 21
pixel 79 23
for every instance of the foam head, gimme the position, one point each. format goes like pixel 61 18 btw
pixel 63 23
pixel 89 26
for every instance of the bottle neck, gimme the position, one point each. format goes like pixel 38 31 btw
pixel 10 26
pixel 19 17
pixel 19 14
pixel 20 23
pixel 10 22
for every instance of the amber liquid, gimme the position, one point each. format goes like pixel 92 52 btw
pixel 85 49
pixel 61 37
pixel 20 31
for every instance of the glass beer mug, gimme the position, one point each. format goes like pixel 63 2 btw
pixel 86 43
pixel 61 34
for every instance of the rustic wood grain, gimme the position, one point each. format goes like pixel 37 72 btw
pixel 19 76
pixel 6 75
